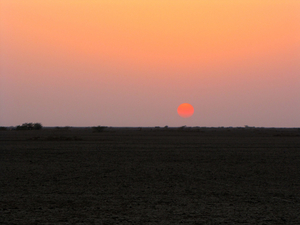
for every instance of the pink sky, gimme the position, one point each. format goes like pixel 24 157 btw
pixel 132 63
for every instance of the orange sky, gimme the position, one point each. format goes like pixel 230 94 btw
pixel 132 63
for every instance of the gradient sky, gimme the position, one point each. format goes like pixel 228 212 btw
pixel 132 63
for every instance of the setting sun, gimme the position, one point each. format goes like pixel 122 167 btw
pixel 185 110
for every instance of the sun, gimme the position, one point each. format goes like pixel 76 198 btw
pixel 185 110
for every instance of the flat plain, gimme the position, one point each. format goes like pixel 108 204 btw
pixel 150 176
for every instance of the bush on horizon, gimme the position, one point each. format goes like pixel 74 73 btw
pixel 30 126
pixel 99 128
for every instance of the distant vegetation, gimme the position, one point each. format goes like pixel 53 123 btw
pixel 63 128
pixel 30 126
pixel 3 128
pixel 99 128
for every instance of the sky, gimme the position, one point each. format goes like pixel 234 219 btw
pixel 132 63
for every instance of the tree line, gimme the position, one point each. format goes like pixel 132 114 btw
pixel 29 126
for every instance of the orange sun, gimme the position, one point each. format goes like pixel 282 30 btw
pixel 185 110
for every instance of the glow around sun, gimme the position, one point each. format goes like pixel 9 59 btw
pixel 185 110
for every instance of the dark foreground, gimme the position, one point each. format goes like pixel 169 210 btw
pixel 150 176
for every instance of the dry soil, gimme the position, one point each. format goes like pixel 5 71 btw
pixel 150 176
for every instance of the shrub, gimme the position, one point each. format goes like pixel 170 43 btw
pixel 30 126
pixel 99 128
pixel 37 126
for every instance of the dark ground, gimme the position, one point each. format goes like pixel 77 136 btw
pixel 150 176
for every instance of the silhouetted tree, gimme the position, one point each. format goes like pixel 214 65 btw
pixel 37 126
pixel 99 128
pixel 30 126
